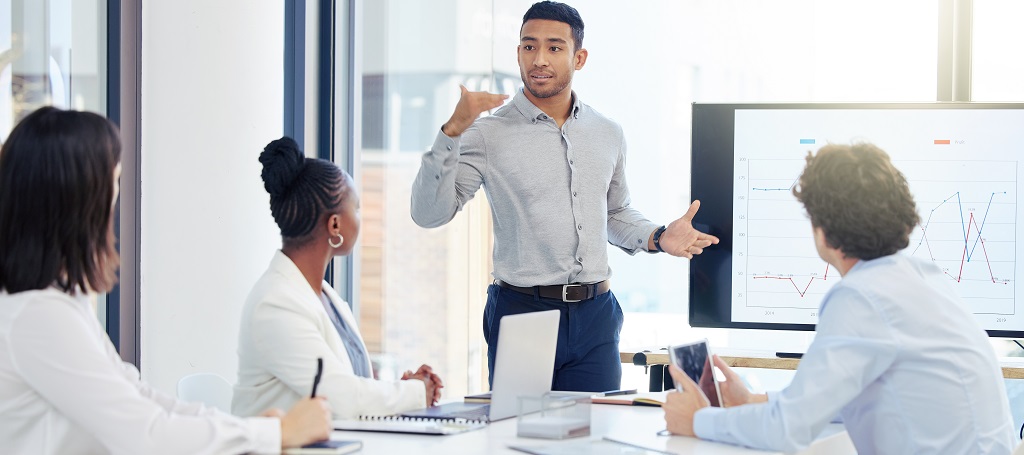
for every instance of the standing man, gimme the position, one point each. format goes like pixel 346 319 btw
pixel 897 355
pixel 554 171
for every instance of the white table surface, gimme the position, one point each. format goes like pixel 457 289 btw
pixel 634 424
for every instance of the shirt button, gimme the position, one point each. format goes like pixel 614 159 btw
pixel 579 226
pixel 639 241
pixel 580 259
pixel 573 194
pixel 449 147
pixel 437 177
pixel 571 161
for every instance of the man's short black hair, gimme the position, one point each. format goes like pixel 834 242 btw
pixel 859 199
pixel 554 11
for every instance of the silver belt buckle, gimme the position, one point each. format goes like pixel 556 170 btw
pixel 565 293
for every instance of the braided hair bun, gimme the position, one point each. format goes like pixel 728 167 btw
pixel 282 164
pixel 302 190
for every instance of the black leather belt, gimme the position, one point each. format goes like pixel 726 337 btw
pixel 569 293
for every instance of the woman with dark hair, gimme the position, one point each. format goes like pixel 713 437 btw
pixel 292 317
pixel 63 387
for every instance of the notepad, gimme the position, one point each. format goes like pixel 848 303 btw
pixel 640 399
pixel 398 424
pixel 479 398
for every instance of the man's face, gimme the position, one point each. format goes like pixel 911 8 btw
pixel 546 57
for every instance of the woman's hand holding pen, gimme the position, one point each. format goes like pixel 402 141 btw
pixel 431 381
pixel 307 422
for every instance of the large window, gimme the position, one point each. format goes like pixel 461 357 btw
pixel 421 292
pixel 997 44
pixel 52 52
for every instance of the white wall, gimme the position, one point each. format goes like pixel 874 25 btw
pixel 212 89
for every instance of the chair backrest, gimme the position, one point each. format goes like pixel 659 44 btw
pixel 207 388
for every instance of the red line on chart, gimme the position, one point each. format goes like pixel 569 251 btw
pixel 971 222
pixel 804 291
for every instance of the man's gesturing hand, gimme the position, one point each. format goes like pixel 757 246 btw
pixel 681 239
pixel 471 105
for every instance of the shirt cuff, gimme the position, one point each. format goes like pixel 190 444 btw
pixel 445 144
pixel 414 394
pixel 267 434
pixel 643 235
pixel 773 395
pixel 704 423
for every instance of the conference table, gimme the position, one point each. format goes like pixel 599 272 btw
pixel 656 359
pixel 636 425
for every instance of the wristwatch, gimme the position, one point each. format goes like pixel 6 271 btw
pixel 657 238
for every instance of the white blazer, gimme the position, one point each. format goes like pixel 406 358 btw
pixel 64 390
pixel 284 329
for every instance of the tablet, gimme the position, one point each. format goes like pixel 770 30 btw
pixel 328 447
pixel 695 360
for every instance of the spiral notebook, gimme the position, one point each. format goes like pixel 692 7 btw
pixel 399 424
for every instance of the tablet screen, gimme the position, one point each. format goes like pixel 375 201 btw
pixel 695 360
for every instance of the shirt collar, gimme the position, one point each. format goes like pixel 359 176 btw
pixel 532 112
pixel 285 266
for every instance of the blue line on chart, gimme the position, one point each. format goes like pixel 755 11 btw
pixel 963 224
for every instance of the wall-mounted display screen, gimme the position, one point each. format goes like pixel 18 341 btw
pixel 961 160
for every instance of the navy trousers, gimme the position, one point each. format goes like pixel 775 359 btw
pixel 587 356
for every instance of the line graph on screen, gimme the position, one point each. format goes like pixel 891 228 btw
pixel 967 228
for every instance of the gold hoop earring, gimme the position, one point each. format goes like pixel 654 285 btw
pixel 335 245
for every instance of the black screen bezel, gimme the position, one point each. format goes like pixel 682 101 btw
pixel 712 161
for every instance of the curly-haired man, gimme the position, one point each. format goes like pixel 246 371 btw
pixel 898 356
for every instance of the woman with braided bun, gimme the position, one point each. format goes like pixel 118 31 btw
pixel 292 317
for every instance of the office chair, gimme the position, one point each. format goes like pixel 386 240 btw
pixel 207 388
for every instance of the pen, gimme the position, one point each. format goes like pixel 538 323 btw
pixel 618 392
pixel 316 379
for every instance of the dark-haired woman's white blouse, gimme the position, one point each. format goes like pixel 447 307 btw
pixel 64 390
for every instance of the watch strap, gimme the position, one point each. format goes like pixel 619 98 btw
pixel 657 238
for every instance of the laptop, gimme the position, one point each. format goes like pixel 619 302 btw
pixel 523 365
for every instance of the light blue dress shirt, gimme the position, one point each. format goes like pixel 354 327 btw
pixel 900 358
